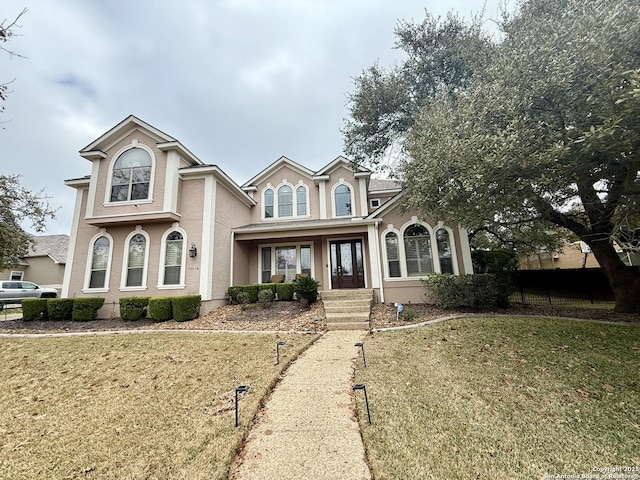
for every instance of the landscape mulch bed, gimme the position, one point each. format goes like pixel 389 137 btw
pixel 290 316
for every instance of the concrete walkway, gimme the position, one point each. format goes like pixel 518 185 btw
pixel 308 428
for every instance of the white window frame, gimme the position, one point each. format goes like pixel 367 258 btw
pixel 125 262
pixel 274 246
pixel 87 274
pixel 333 199
pixel 452 245
pixel 107 193
pixel 371 203
pixel 14 272
pixel 183 261
pixel 276 206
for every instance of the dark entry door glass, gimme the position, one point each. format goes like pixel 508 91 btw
pixel 347 264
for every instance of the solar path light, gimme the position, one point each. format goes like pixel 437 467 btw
pixel 243 389
pixel 278 345
pixel 360 386
pixel 361 345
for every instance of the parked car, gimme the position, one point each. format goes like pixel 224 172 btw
pixel 12 291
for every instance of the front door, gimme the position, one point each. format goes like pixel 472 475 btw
pixel 347 267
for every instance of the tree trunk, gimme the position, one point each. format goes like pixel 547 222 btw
pixel 624 281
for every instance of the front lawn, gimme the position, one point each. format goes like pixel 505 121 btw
pixel 502 398
pixel 157 405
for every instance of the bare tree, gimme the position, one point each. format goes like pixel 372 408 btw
pixel 7 31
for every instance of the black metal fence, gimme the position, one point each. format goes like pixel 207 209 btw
pixel 562 287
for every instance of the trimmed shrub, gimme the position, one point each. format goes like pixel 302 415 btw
pixel 265 297
pixel 474 291
pixel 133 308
pixel 243 299
pixel 34 309
pixel 407 315
pixel 284 291
pixel 160 308
pixel 85 309
pixel 60 308
pixel 252 290
pixel 306 289
pixel 186 307
pixel 503 264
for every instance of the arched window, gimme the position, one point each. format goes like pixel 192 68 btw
pixel 444 251
pixel 417 248
pixel 301 200
pixel 131 176
pixel 285 201
pixel 393 254
pixel 136 260
pixel 268 203
pixel 99 263
pixel 342 198
pixel 173 258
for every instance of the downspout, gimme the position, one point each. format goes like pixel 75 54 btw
pixel 380 276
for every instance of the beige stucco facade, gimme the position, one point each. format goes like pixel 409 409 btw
pixel 148 197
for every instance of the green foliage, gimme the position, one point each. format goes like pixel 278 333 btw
pixel 252 290
pixel 186 307
pixel 407 315
pixel 284 291
pixel 34 309
pixel 242 298
pixel 160 308
pixel 59 308
pixel 85 309
pixel 17 206
pixel 469 291
pixel 540 133
pixel 306 288
pixel 503 265
pixel 133 308
pixel 265 297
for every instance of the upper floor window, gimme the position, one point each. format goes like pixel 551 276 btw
pixel 342 199
pixel 268 203
pixel 285 201
pixel 99 263
pixel 301 200
pixel 131 176
pixel 417 247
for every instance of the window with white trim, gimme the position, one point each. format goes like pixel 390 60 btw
pixel 444 251
pixel 301 200
pixel 288 260
pixel 99 263
pixel 136 260
pixel 393 254
pixel 417 250
pixel 268 203
pixel 131 176
pixel 285 201
pixel 173 258
pixel 342 200
pixel 16 275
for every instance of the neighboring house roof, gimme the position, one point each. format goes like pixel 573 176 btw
pixel 54 246
pixel 384 185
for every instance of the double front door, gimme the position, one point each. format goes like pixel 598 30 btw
pixel 347 264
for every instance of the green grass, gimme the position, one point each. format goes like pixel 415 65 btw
pixel 502 398
pixel 155 405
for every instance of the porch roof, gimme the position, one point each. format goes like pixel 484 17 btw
pixel 303 228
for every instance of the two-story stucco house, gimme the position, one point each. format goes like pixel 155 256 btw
pixel 153 219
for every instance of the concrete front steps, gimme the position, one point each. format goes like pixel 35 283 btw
pixel 347 309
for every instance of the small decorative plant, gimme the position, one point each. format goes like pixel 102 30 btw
pixel 306 290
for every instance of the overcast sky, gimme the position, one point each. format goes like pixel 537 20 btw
pixel 238 82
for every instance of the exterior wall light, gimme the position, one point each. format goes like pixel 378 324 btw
pixel 193 251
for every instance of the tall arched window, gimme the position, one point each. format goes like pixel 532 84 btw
pixel 99 263
pixel 444 251
pixel 393 254
pixel 342 198
pixel 131 176
pixel 417 248
pixel 301 200
pixel 173 258
pixel 268 203
pixel 136 260
pixel 285 201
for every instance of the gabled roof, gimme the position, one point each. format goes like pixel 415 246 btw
pixel 385 207
pixel 274 167
pixel 54 246
pixel 338 162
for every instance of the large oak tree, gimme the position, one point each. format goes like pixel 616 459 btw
pixel 534 129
